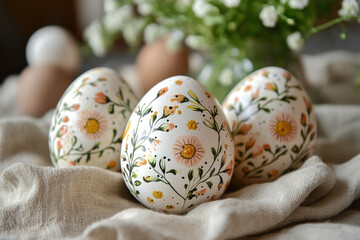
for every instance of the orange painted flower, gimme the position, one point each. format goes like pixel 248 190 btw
pixel 191 125
pixel 213 197
pixel 265 73
pixel 303 119
pixel 92 124
pixel 58 144
pixel 287 75
pixel 283 127
pixel 311 127
pixel 230 168
pixel 220 186
pixel 65 119
pixel 162 91
pixel 201 192
pixel 178 82
pixel 101 98
pixel 169 110
pixel 141 162
pixel 250 143
pixel 102 79
pixel 247 88
pixel 258 152
pixel 150 200
pixel 246 170
pixel 271 86
pixel 274 172
pixel 208 94
pixel 267 147
pixel 63 130
pixel 75 107
pixel 72 163
pixel 188 150
pixel 244 128
pixel 169 206
pixel 166 127
pixel 111 164
pixel 179 98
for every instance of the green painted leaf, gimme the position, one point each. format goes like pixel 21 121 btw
pixel 251 164
pixel 137 192
pixel 213 151
pixel 134 175
pixel 73 140
pixel 185 186
pixel 88 157
pixel 111 108
pixel 173 171
pixel 147 111
pixel 162 165
pixel 151 179
pixel 212 172
pixel 210 184
pixel 137 183
pixel 96 146
pixel 191 174
pixel 152 161
pixel 200 171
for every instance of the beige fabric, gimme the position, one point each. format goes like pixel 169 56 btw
pixel 37 201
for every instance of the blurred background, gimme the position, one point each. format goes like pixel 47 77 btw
pixel 20 18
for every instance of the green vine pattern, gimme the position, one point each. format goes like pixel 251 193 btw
pixel 195 176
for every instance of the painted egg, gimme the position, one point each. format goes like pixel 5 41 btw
pixel 90 119
pixel 273 125
pixel 177 150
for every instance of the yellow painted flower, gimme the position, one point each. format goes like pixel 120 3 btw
pixel 178 82
pixel 283 127
pixel 92 124
pixel 192 125
pixel 188 150
pixel 271 86
pixel 157 194
pixel 150 200
pixel 170 207
pixel 111 164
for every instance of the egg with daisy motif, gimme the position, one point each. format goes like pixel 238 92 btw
pixel 177 150
pixel 273 125
pixel 90 119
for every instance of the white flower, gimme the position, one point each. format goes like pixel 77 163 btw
pixel 295 41
pixel 110 6
pixel 194 41
pixel 269 16
pixel 132 31
pixel 153 32
pixel 201 8
pixel 174 40
pixel 115 21
pixel 349 8
pixel 226 77
pixel 93 34
pixel 298 4
pixel 231 3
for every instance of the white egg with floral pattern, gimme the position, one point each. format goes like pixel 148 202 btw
pixel 177 150
pixel 90 119
pixel 273 125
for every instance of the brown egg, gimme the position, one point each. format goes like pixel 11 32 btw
pixel 155 62
pixel 40 88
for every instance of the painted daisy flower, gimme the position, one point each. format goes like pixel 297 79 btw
pixel 92 124
pixel 283 127
pixel 188 150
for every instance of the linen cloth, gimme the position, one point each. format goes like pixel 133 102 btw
pixel 37 201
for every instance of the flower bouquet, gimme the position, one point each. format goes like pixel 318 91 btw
pixel 236 37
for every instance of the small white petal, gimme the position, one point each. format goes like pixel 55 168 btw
pixel 295 41
pixel 298 4
pixel 269 16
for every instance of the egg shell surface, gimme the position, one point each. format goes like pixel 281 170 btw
pixel 90 119
pixel 177 150
pixel 273 125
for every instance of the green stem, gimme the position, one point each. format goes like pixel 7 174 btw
pixel 327 24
